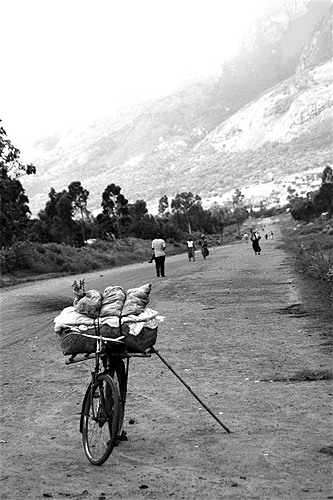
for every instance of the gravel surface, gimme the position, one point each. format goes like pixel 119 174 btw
pixel 240 329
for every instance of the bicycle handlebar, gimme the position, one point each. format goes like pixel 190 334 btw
pixel 85 357
pixel 108 339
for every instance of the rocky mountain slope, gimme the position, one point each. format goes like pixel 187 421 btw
pixel 263 124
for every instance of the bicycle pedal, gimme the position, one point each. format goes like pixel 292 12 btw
pixel 122 436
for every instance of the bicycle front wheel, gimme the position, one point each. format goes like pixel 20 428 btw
pixel 118 375
pixel 100 419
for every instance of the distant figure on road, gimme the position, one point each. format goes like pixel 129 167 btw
pixel 255 237
pixel 266 236
pixel 158 246
pixel 204 246
pixel 272 235
pixel 190 249
pixel 246 237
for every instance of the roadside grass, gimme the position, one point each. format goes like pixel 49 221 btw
pixel 312 245
pixel 28 261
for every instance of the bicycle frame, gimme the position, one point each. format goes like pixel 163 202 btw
pixel 108 385
pixel 104 355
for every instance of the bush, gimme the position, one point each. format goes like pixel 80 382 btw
pixel 316 263
pixel 37 258
pixel 313 248
pixel 310 229
pixel 16 257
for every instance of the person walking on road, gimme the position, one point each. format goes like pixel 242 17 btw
pixel 204 246
pixel 255 237
pixel 190 249
pixel 158 246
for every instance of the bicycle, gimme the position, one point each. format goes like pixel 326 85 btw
pixel 103 406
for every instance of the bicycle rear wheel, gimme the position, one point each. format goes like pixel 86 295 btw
pixel 100 419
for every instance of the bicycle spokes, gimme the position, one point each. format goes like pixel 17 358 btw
pixel 100 420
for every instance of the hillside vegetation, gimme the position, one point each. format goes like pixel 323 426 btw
pixel 266 115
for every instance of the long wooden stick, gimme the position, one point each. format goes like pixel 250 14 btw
pixel 189 388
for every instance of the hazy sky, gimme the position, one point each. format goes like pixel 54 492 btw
pixel 63 61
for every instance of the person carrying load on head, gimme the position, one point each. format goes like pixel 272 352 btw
pixel 204 246
pixel 255 237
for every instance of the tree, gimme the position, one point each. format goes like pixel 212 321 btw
pixel 238 198
pixel 315 203
pixel 55 223
pixel 240 211
pixel 141 223
pixel 145 227
pixel 106 227
pixel 42 228
pixel 292 195
pixel 187 207
pixel 57 215
pixel 39 229
pixel 303 209
pixel 115 207
pixel 10 158
pixel 185 202
pixel 327 175
pixel 14 210
pixel 64 217
pixel 79 197
pixel 218 218
pixel 323 199
pixel 163 205
pixel 51 204
pixel 137 210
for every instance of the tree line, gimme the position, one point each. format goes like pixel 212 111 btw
pixel 67 219
pixel 315 203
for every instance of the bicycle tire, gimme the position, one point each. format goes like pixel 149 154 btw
pixel 118 375
pixel 100 419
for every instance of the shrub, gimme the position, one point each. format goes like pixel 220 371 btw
pixel 310 229
pixel 316 263
pixel 313 248
pixel 16 257
pixel 37 258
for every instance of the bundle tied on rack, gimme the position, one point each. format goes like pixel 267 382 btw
pixel 112 314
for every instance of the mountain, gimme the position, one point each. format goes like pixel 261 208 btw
pixel 263 124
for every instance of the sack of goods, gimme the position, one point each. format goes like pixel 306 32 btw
pixel 112 314
pixel 72 340
pixel 136 300
pixel 113 301
pixel 89 304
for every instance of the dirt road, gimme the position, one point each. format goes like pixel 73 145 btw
pixel 231 333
